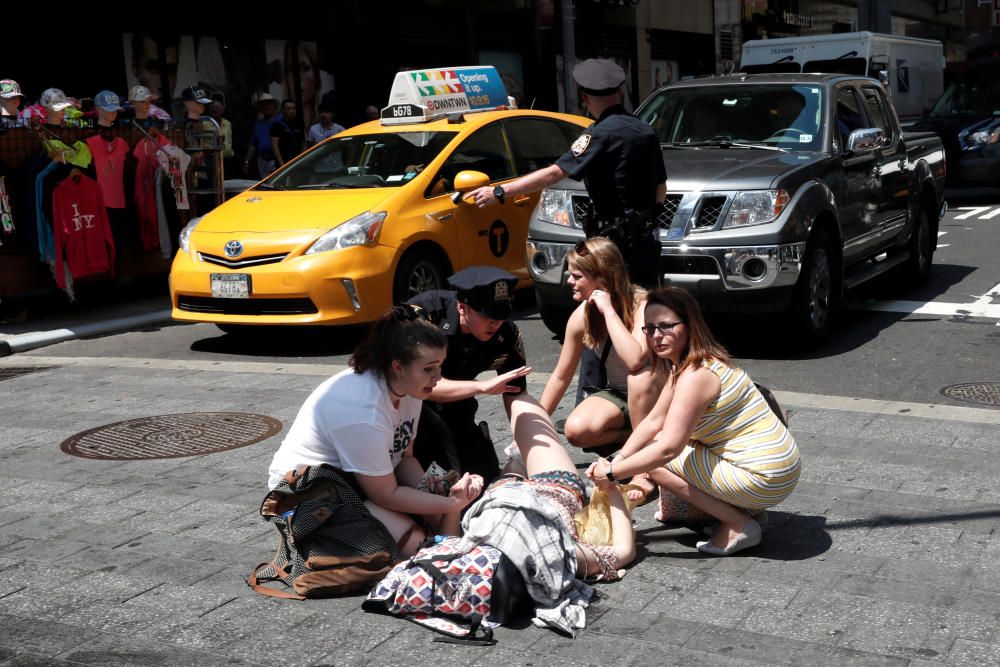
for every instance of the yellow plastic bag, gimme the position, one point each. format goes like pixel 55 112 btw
pixel 593 522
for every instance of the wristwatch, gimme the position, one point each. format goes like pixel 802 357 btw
pixel 498 193
pixel 610 473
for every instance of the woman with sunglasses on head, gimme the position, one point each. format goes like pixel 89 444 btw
pixel 608 321
pixel 362 421
pixel 711 439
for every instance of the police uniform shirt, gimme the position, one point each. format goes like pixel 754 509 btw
pixel 467 355
pixel 620 161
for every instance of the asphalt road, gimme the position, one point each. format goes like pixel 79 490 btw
pixel 881 350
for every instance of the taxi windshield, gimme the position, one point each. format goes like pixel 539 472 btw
pixel 777 116
pixel 362 161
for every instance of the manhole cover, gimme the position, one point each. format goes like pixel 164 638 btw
pixel 985 393
pixel 11 373
pixel 171 436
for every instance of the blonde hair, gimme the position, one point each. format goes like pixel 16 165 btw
pixel 602 261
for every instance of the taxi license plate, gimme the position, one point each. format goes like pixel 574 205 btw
pixel 231 285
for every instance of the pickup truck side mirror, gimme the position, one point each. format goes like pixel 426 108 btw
pixel 865 140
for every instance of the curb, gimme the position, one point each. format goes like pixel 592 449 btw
pixel 30 341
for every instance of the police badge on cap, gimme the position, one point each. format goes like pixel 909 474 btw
pixel 485 289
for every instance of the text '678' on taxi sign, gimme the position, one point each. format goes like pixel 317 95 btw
pixel 423 95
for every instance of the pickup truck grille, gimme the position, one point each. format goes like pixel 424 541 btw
pixel 709 210
pixel 670 205
pixel 581 206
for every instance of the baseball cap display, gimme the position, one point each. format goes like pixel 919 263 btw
pixel 54 99
pixel 195 94
pixel 485 289
pixel 140 94
pixel 107 101
pixel 10 88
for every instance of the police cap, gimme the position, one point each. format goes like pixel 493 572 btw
pixel 598 76
pixel 485 289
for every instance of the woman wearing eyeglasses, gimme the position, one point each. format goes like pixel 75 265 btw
pixel 608 321
pixel 711 439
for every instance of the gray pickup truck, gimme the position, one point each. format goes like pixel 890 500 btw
pixel 783 191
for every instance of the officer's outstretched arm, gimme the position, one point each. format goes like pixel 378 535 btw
pixel 533 182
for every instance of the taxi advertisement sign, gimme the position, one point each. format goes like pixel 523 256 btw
pixel 423 95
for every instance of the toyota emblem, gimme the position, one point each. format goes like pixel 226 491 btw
pixel 234 249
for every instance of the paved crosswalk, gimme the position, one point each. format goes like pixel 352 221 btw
pixel 977 212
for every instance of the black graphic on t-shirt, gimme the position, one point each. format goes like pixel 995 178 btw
pixel 402 437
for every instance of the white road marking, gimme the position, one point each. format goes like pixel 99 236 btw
pixel 942 245
pixel 972 211
pixel 790 398
pixel 981 307
pixel 992 214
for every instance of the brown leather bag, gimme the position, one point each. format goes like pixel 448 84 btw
pixel 329 543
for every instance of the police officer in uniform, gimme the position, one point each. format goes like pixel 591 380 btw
pixel 476 319
pixel 620 161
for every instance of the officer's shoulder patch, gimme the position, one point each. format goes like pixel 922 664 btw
pixel 581 144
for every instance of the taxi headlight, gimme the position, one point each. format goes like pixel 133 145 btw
pixel 360 230
pixel 556 206
pixel 756 207
pixel 184 239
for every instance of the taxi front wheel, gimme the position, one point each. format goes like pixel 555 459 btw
pixel 418 272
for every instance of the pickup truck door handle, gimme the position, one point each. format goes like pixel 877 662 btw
pixel 521 200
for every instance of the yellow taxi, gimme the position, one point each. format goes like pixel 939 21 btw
pixel 375 214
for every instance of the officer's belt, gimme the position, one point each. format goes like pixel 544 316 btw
pixel 630 224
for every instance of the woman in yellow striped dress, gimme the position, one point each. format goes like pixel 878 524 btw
pixel 711 440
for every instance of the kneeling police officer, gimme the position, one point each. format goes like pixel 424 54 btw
pixel 476 319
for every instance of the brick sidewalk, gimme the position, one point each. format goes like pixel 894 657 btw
pixel 885 554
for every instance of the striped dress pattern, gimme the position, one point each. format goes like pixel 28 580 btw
pixel 740 451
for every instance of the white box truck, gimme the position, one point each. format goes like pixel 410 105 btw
pixel 914 68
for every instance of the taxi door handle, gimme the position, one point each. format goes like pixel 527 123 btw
pixel 522 200
pixel 443 217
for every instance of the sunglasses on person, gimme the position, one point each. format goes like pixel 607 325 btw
pixel 581 248
pixel 660 327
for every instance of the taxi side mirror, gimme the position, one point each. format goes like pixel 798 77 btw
pixel 468 180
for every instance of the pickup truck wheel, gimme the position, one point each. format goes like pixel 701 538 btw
pixel 814 298
pixel 418 272
pixel 917 269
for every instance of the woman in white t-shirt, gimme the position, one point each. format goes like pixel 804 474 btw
pixel 364 419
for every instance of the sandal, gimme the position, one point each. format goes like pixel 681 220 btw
pixel 643 488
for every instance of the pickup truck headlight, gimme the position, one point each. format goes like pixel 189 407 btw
pixel 184 239
pixel 756 207
pixel 556 206
pixel 984 137
pixel 360 230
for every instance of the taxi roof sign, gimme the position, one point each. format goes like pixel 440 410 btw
pixel 419 96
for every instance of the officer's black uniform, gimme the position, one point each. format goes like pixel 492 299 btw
pixel 448 432
pixel 620 161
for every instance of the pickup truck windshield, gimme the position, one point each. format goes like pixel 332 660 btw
pixel 781 115
pixel 362 161
pixel 969 96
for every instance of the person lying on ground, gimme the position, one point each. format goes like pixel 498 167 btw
pixel 711 439
pixel 607 322
pixel 363 422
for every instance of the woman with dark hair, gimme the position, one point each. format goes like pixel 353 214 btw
pixel 607 321
pixel 363 421
pixel 711 440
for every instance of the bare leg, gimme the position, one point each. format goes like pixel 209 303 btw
pixel 644 389
pixel 732 519
pixel 537 439
pixel 398 524
pixel 595 422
